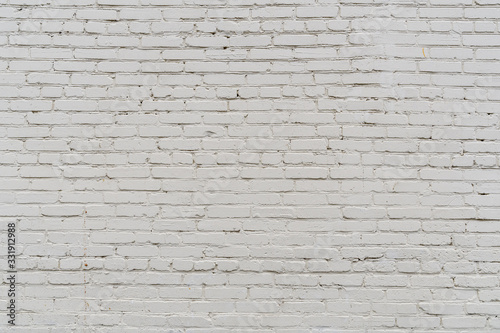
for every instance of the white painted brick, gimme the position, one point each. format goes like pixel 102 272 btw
pixel 317 12
pixel 170 41
pixel 272 12
pixel 252 163
pixel 294 40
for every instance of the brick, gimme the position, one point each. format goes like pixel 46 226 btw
pixel 263 165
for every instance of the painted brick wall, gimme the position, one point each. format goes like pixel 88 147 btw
pixel 252 165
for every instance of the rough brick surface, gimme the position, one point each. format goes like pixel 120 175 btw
pixel 252 165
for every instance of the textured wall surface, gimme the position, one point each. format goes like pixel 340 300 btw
pixel 252 165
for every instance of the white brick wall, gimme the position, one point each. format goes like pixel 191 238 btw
pixel 252 165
